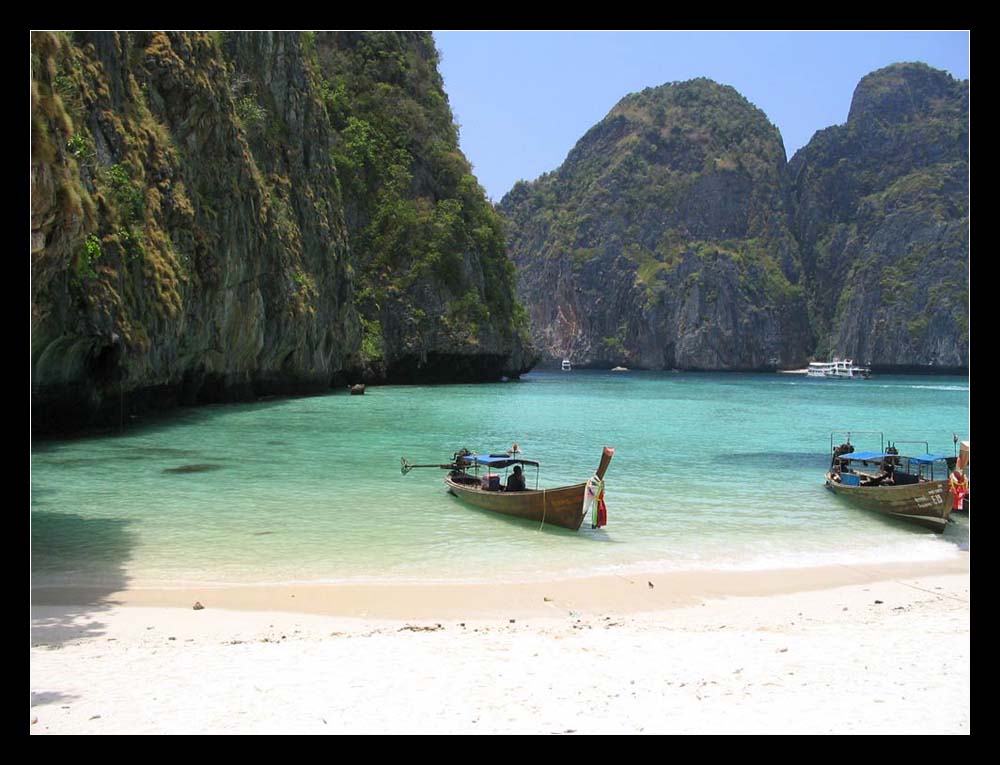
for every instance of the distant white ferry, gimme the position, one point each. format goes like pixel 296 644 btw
pixel 840 369
pixel 566 366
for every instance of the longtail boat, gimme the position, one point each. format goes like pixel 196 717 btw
pixel 564 506
pixel 912 487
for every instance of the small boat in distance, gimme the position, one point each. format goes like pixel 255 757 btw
pixel 912 487
pixel 566 366
pixel 838 369
pixel 564 506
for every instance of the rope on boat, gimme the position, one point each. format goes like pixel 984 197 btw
pixel 591 498
pixel 544 508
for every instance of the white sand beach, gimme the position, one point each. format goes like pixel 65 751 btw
pixel 835 650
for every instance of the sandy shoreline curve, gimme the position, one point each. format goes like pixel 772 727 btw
pixel 843 649
pixel 620 594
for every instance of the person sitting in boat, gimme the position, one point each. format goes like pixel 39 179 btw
pixel 516 481
pixel 888 475
pixel 885 477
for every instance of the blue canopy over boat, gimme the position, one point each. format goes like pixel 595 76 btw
pixel 924 459
pixel 868 456
pixel 496 460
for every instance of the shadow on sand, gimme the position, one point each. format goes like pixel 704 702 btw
pixel 77 563
pixel 44 698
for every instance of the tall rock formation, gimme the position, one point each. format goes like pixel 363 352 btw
pixel 881 211
pixel 662 241
pixel 202 223
pixel 435 286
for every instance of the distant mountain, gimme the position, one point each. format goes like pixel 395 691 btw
pixel 880 207
pixel 663 239
pixel 675 235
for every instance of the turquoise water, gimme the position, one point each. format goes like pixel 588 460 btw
pixel 710 471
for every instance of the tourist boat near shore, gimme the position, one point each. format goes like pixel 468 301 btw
pixel 838 369
pixel 472 478
pixel 913 487
pixel 567 366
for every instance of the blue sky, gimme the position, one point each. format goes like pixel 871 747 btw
pixel 523 99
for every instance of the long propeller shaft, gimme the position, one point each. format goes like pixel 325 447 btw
pixel 406 467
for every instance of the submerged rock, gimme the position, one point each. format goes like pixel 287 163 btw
pixel 203 468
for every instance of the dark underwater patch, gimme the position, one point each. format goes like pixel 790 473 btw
pixel 201 468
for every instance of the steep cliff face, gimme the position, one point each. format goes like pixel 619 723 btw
pixel 662 241
pixel 880 208
pixel 434 281
pixel 191 236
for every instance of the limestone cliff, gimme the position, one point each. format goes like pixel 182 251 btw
pixel 881 209
pixel 675 235
pixel 662 241
pixel 192 239
pixel 434 281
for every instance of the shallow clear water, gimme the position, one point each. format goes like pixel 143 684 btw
pixel 710 471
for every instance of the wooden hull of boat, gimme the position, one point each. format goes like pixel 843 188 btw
pixel 927 503
pixel 562 506
pixel 559 507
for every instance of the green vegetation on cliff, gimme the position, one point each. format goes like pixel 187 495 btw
pixel 663 239
pixel 220 215
pixel 415 212
pixel 880 207
pixel 676 235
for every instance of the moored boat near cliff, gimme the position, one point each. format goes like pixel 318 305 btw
pixel 838 369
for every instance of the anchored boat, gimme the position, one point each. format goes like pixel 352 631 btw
pixel 914 487
pixel 838 369
pixel 473 478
